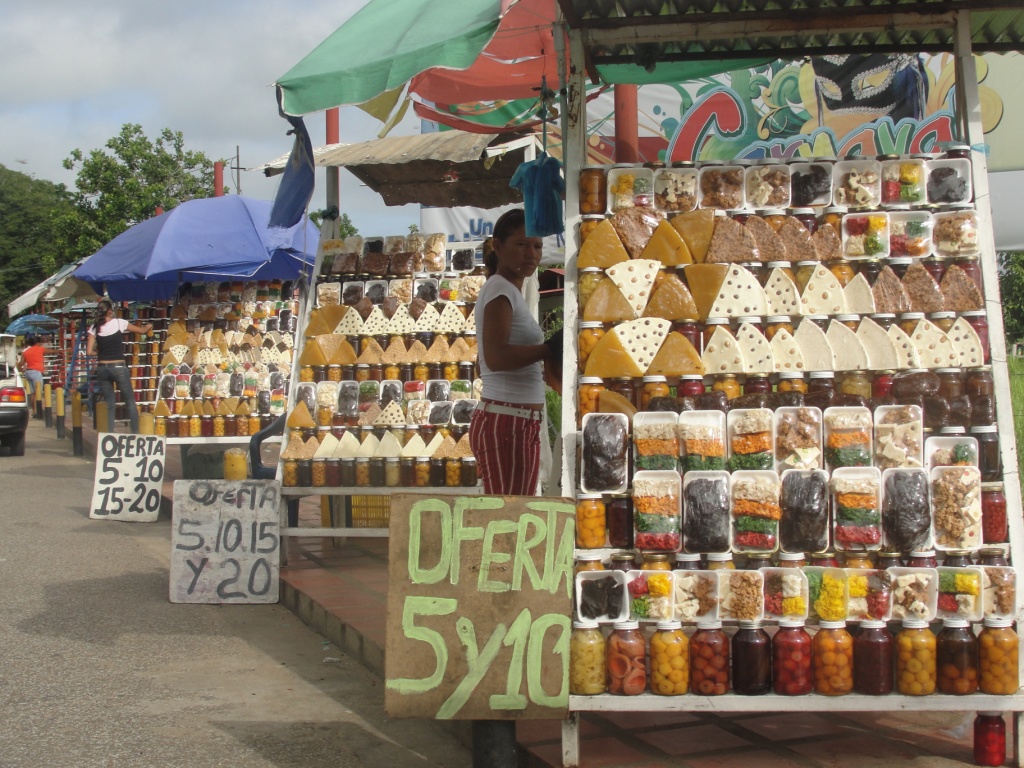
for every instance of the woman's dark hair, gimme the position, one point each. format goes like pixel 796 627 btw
pixel 101 314
pixel 30 340
pixel 508 223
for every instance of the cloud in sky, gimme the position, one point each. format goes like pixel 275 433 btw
pixel 74 73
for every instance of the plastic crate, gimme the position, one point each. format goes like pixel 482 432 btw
pixel 371 511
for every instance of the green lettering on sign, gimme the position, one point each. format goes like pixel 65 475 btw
pixel 425 606
pixel 417 574
pixel 489 557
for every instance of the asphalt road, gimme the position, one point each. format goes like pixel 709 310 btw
pixel 97 668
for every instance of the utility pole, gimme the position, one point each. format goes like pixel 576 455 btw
pixel 237 168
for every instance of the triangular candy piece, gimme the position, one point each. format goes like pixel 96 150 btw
pixel 635 279
pixel 858 296
pixel 827 243
pixel 787 354
pixel 906 352
pixel 740 295
pixel 607 304
pixel 602 248
pixel 890 295
pixel 922 289
pixel 722 354
pixel 798 241
pixel 756 350
pixel 731 243
pixel 849 352
pixel 770 246
pixel 704 281
pixel 350 324
pixel 451 320
pixel 316 325
pixel 471 322
pixel 375 324
pixel 960 292
pixel 312 354
pixel 401 322
pixel 814 347
pixel 427 321
pixel 671 300
pixel 781 294
pixel 878 345
pixel 823 294
pixel 696 229
pixel 967 343
pixel 391 416
pixel 667 246
pixel 609 359
pixel 643 338
pixel 934 348
pixel 677 357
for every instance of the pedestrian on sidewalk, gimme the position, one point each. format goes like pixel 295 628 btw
pixel 106 334
pixel 31 366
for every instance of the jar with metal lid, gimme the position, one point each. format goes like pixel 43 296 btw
pixel 956 558
pixel 791 381
pixel 590 333
pixel 972 268
pixel 978 320
pixel 822 321
pixel 588 280
pixel 832 215
pixel 956 652
pixel 590 521
pixel 989 458
pixel 727 383
pixel 422 472
pixel 438 476
pixel 885 559
pixel 623 385
pixel 989 739
pixel 979 382
pixel 230 425
pixel 951 383
pixel 806 217
pixel 407 472
pixel 884 319
pixel 688 561
pixel 289 473
pixel 756 384
pixel 306 373
pixel 826 559
pixel 994 526
pixel 802 273
pixel 857 560
pixel 709 660
pixel 992 556
pixel 791 659
pixel 899 265
pixel 873 659
pixel 776 323
pixel 757 560
pixel 832 659
pixel 751 660
pixel 623 561
pixel 319 473
pixel 588 561
pixel 304 472
pixel 858 383
pixel 593 190
pixel 936 267
pixel 712 324
pixel 160 426
pixel 619 519
pixel 670 659
pixel 785 266
pixel 627 659
pixel 420 372
pixel 957 152
pixel 453 472
pixel 720 561
pixel 590 389
pixel 922 559
pixel 752 320
pixel 392 472
pixel 348 472
pixel 332 472
pixel 689 330
pixel 870 268
pixel 653 386
pixel 195 426
pixel 348 372
pixel 881 384
pixel 843 271
pixel 218 426
pixel 998 657
pixel 820 381
pixel 909 320
pixel 587 659
pixel 362 372
pixel 915 659
pixel 792 560
pixel 775 217
pixel 468 474
pixel 376 472
pixel 655 562
pixel 849 320
pixel 691 385
pixel 588 225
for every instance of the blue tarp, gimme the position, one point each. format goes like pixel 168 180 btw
pixel 210 239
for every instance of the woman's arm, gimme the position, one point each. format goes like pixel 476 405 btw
pixel 498 353
pixel 146 328
pixel 90 345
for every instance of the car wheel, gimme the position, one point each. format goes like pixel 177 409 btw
pixel 17 444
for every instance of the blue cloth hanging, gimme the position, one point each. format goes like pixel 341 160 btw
pixel 542 186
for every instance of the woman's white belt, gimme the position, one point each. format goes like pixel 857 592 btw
pixel 508 410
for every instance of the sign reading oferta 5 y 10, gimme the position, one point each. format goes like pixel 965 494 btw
pixel 479 607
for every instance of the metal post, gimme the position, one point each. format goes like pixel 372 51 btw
pixel 59 396
pixel 76 424
pixel 99 416
pixel 47 405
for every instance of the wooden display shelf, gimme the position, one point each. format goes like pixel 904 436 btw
pixel 372 491
pixel 209 440
pixel 772 702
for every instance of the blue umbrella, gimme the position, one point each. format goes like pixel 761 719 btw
pixel 209 239
pixel 32 324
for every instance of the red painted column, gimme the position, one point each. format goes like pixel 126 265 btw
pixel 627 132
pixel 333 174
pixel 218 179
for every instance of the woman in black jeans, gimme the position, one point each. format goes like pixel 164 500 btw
pixel 106 341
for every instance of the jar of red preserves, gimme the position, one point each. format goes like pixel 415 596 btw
pixel 691 385
pixel 994 526
pixel 873 659
pixel 689 330
pixel 922 559
pixel 709 660
pixel 978 320
pixel 751 660
pixel 688 561
pixel 791 659
pixel 881 384
pixel 619 514
pixel 756 384
pixel 989 739
pixel 627 659
pixel 972 266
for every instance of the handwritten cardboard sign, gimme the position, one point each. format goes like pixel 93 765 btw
pixel 129 478
pixel 225 541
pixel 479 608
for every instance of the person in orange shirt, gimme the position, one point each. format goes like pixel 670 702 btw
pixel 31 366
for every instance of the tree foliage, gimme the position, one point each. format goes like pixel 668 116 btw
pixel 345 226
pixel 28 251
pixel 124 183
pixel 1011 290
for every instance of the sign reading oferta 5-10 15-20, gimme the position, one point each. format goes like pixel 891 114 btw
pixel 129 478
pixel 479 608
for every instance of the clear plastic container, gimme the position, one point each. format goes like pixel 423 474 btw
pixel 956 507
pixel 605 456
pixel 798 438
pixel 675 189
pixel 949 181
pixel 657 510
pixel 857 183
pixel 702 440
pixel 899 436
pixel 785 593
pixel 721 187
pixel 903 182
pixel 848 437
pixel 910 234
pixel 999 591
pixel 751 438
pixel 696 595
pixel 866 235
pixel 655 441
pixel 741 595
pixel 706 512
pixel 651 595
pixel 960 593
pixel 804 501
pixel 955 232
pixel 826 593
pixel 598 602
pixel 869 594
pixel 906 514
pixel 768 186
pixel 755 511
pixel 914 593
pixel 856 508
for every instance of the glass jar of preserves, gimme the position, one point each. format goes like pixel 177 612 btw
pixel 992 556
pixel 791 381
pixel 849 320
pixel 909 320
pixel 979 382
pixel 453 472
pixel 255 423
pixel 688 561
pixel 870 268
pixel 593 190
pixel 421 372
pixel 691 385
pixel 936 267
pixel 751 660
pixel 230 425
pixel 319 473
pixel 689 330
pixel 756 384
pixel 785 266
pixel 319 373
pixel 709 660
pixel 727 383
pixel 334 373
pixel 843 271
pixel 587 659
pixel 627 659
pixel 971 265
pixel 653 386
pixel 943 320
pixel 195 426
pixel 589 391
pixel 622 561
pixel 806 217
pixel 422 472
pixel 619 518
pixel 833 216
pixel 392 472
pixel 832 659
pixel 776 323
pixel 915 659
pixel 951 383
pixel 752 320
pixel 885 560
pixel 588 225
pixel 978 320
pixel 720 561
pixel 957 152
pixel 588 279
pixel 304 472
pixel 899 265
pixel 791 659
pixel 924 558
pixel 160 426
pixel 588 561
pixel 856 383
pixel 306 373
pixel 407 472
pixel 989 739
pixel 348 472
pixel 757 560
pixel 994 527
pixel 590 333
pixel 590 521
pixel 289 473
pixel 362 372
pixel 998 655
pixel 377 472
pixel 670 660
pixel 956 655
pixel 438 476
pixel 708 329
pixel 857 560
pixel 775 217
pixel 873 659
pixel 821 381
pixel 884 319
pixel 623 385
pixel 469 472
pixel 655 562
pixel 989 458
pixel 881 384
pixel 362 472
pixel 826 559
pixel 802 273
pixel 792 560
pixel 332 471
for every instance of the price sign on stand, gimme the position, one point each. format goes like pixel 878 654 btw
pixel 478 614
pixel 225 541
pixel 129 478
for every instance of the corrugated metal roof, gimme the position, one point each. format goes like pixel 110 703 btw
pixel 645 31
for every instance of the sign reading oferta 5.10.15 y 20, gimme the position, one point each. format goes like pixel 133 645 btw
pixel 479 607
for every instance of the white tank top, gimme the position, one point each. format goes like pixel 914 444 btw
pixel 523 385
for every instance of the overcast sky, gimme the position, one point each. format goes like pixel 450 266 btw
pixel 72 73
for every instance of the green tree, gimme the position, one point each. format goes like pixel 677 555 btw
pixel 28 253
pixel 1011 290
pixel 345 226
pixel 123 183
